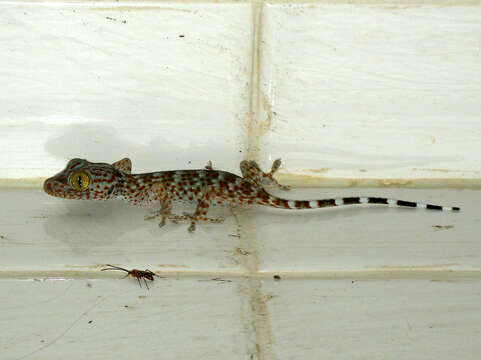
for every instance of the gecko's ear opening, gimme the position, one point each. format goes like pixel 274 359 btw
pixel 124 165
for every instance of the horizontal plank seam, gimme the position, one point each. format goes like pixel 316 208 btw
pixel 407 273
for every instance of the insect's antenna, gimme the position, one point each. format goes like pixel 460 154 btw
pixel 114 268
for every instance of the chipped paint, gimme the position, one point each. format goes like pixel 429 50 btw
pixel 443 227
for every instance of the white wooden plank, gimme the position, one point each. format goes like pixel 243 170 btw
pixel 371 91
pixel 115 319
pixel 44 233
pixel 40 232
pixel 162 83
pixel 361 237
pixel 344 319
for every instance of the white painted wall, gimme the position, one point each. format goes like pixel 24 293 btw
pixel 347 94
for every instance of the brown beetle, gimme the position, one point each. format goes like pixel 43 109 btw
pixel 138 274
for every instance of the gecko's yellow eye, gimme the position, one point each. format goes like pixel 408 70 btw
pixel 79 180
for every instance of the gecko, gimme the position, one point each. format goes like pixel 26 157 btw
pixel 206 187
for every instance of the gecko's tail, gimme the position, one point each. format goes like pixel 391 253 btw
pixel 316 204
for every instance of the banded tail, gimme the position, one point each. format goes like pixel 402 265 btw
pixel 316 204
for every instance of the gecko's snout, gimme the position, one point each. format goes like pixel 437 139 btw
pixel 51 184
pixel 47 186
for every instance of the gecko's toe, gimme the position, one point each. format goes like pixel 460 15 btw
pixel 153 214
pixel 217 220
pixel 276 165
pixel 176 219
pixel 191 228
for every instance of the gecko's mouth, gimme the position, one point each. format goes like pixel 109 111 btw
pixel 53 185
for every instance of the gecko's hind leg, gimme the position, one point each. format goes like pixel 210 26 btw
pixel 201 210
pixel 251 171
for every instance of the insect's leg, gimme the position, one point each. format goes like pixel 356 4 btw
pixel 203 205
pixel 145 281
pixel 140 284
pixel 251 171
pixel 128 273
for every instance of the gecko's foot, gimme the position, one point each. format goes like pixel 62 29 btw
pixel 176 219
pixel 216 220
pixel 269 177
pixel 195 219
pixel 162 223
pixel 204 218
pixel 153 214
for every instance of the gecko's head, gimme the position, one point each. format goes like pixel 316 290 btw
pixel 82 179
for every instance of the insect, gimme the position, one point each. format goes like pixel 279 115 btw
pixel 206 187
pixel 138 274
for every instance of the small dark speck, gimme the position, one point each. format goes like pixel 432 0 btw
pixel 181 36
pixel 352 282
pixel 189 162
pixel 277 277
pixel 124 21
pixel 91 321
pixel 89 285
pixel 42 341
pixel 240 151
pixel 3 236
pixel 126 306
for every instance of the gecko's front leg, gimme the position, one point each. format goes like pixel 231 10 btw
pixel 203 205
pixel 165 210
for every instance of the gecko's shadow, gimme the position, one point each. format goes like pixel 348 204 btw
pixel 88 224
pixel 85 225
pixel 100 143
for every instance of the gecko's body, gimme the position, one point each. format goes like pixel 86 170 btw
pixel 82 179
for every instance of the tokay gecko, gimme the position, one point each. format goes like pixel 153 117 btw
pixel 82 179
